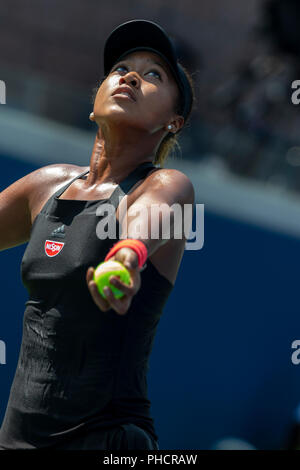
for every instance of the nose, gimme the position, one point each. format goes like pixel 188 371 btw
pixel 131 78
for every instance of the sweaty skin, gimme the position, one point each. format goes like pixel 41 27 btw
pixel 122 122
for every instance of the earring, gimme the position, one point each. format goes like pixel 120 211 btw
pixel 91 117
pixel 170 126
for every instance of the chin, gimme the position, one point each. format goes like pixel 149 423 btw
pixel 117 115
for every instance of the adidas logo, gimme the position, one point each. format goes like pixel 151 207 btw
pixel 59 232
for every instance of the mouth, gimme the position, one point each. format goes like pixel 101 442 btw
pixel 124 93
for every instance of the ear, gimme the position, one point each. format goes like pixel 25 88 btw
pixel 177 123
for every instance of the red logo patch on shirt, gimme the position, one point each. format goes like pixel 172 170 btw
pixel 53 248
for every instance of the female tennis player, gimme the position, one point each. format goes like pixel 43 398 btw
pixel 81 378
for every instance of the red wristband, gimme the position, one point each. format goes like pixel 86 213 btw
pixel 136 245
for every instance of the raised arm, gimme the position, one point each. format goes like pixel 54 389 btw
pixel 152 217
pixel 165 188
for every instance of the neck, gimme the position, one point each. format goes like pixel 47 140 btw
pixel 114 157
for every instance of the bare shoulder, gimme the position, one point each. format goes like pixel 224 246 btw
pixel 20 202
pixel 44 181
pixel 168 175
pixel 38 181
pixel 51 175
pixel 172 181
pixel 55 173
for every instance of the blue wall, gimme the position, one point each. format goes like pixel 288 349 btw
pixel 221 363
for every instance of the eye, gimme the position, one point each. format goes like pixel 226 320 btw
pixel 120 67
pixel 126 68
pixel 157 73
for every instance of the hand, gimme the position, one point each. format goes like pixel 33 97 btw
pixel 129 258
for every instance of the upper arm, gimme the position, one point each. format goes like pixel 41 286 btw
pixel 167 186
pixel 18 200
pixel 15 219
pixel 162 189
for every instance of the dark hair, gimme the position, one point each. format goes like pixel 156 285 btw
pixel 170 141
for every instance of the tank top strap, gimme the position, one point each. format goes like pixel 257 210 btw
pixel 48 204
pixel 61 190
pixel 138 173
pixel 124 186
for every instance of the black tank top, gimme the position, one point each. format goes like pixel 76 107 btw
pixel 79 368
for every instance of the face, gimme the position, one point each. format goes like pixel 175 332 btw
pixel 155 94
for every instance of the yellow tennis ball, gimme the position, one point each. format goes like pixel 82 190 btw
pixel 109 268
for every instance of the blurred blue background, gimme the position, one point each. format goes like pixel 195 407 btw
pixel 221 363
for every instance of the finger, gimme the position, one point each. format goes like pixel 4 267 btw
pixel 127 289
pixel 119 305
pixel 90 274
pixel 97 297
